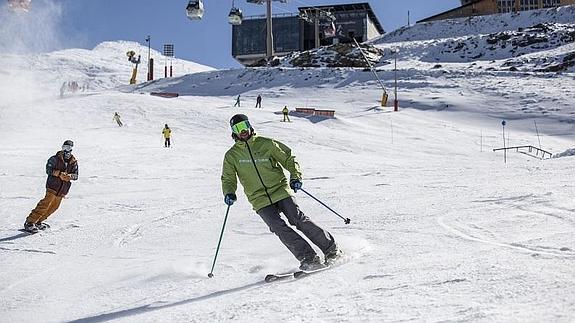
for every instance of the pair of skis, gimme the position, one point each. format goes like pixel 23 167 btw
pixel 296 274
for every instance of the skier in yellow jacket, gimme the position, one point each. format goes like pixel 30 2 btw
pixel 285 112
pixel 259 162
pixel 167 132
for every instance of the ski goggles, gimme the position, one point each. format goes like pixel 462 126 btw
pixel 67 148
pixel 241 126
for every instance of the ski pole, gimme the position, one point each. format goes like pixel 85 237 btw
pixel 211 274
pixel 345 220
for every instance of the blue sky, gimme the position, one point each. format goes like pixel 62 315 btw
pixel 89 22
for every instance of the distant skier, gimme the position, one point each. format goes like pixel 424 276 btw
pixel 237 101
pixel 259 101
pixel 62 90
pixel 61 169
pixel 73 86
pixel 285 112
pixel 117 119
pixel 167 132
pixel 259 162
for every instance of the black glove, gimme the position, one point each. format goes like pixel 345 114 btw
pixel 295 184
pixel 230 198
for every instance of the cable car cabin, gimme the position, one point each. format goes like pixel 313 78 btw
pixel 235 17
pixel 19 5
pixel 195 9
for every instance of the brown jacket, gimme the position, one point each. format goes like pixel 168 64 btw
pixel 54 166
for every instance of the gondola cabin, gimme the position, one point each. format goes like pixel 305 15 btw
pixel 235 17
pixel 195 9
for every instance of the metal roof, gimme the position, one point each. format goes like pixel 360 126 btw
pixel 364 6
pixel 448 11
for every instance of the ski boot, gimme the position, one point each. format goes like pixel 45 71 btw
pixel 332 255
pixel 30 227
pixel 311 264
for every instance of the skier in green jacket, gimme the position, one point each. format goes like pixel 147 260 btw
pixel 258 162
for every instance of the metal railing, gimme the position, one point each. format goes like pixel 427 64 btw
pixel 539 153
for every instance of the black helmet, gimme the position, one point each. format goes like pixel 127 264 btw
pixel 67 146
pixel 237 119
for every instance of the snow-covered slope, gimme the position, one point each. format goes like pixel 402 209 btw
pixel 442 229
pixel 107 66
pixel 534 41
pixel 479 25
pixel 104 67
pixel 474 87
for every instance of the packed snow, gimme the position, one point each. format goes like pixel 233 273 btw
pixel 529 41
pixel 442 227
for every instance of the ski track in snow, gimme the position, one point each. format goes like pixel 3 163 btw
pixel 533 251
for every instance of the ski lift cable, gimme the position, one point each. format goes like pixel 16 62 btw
pixel 312 6
pixel 281 9
pixel 371 67
pixel 285 11
pixel 301 3
pixel 235 9
pixel 305 4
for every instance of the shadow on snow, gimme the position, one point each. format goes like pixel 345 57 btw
pixel 149 307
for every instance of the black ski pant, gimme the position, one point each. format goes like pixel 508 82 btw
pixel 167 142
pixel 291 239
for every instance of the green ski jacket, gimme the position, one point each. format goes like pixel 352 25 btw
pixel 258 164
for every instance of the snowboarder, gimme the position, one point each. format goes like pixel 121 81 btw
pixel 61 169
pixel 259 101
pixel 285 112
pixel 167 132
pixel 117 119
pixel 258 162
pixel 237 101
